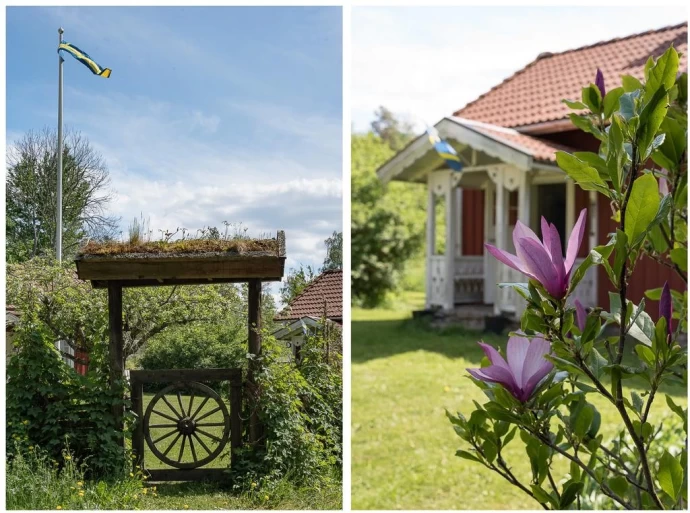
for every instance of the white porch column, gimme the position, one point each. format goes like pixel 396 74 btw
pixel 430 237
pixel 458 222
pixel 501 225
pixel 451 229
pixel 525 216
pixel 489 236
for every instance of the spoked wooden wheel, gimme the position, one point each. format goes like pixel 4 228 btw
pixel 199 422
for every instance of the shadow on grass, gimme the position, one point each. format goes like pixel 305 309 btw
pixel 192 488
pixel 373 340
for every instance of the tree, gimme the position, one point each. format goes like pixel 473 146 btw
pixel 394 132
pixel 32 195
pixel 72 310
pixel 387 222
pixel 295 282
pixel 334 252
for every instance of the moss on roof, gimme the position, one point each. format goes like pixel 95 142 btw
pixel 187 246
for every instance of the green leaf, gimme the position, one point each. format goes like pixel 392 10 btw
pixel 679 256
pixel 670 475
pixel 597 363
pixel 662 75
pixel 611 101
pixel 637 402
pixel 467 455
pixel 675 408
pixel 585 124
pixel 645 354
pixel 543 496
pixel 619 485
pixel 642 206
pixel 574 104
pixel 591 96
pixel 651 116
pixel 570 492
pixel 670 153
pixel 583 174
pixel 583 420
pixel 630 83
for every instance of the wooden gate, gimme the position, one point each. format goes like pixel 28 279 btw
pixel 186 414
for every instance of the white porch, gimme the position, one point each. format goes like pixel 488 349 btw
pixel 499 162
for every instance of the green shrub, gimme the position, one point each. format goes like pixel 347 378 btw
pixel 197 346
pixel 49 405
pixel 35 482
pixel 301 410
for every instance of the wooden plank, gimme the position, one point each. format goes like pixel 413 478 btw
pixel 173 375
pixel 175 269
pixel 138 436
pixel 194 474
pixel 254 318
pixel 115 346
pixel 102 284
pixel 235 417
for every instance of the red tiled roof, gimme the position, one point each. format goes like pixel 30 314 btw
pixel 534 94
pixel 326 291
pixel 539 149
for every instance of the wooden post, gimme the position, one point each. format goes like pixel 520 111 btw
pixel 138 438
pixel 254 315
pixel 115 347
pixel 235 416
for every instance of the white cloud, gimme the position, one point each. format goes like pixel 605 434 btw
pixel 426 63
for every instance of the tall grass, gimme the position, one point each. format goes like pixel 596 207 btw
pixel 35 482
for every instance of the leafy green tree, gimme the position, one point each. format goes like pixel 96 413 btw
pixel 393 131
pixel 295 282
pixel 387 222
pixel 334 252
pixel 31 189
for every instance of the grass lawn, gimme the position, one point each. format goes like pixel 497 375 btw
pixel 403 446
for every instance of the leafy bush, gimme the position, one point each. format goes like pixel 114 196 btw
pixel 567 359
pixel 35 482
pixel 301 409
pixel 49 405
pixel 196 347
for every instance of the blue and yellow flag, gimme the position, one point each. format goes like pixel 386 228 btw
pixel 445 150
pixel 84 58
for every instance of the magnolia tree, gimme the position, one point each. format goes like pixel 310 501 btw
pixel 565 359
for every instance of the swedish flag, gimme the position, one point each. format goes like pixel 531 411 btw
pixel 445 150
pixel 84 58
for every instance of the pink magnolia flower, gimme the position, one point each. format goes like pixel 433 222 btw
pixel 543 261
pixel 525 368
pixel 599 82
pixel 580 315
pixel 663 182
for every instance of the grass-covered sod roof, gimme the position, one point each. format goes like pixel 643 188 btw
pixel 187 246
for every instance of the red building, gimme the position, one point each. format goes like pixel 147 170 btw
pixel 508 138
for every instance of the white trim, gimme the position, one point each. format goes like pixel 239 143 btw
pixel 296 326
pixel 569 206
pixel 450 243
pixel 489 236
pixel 501 227
pixel 430 236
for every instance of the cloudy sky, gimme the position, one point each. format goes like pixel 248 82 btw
pixel 426 63
pixel 210 115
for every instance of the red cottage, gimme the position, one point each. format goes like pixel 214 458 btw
pixel 508 138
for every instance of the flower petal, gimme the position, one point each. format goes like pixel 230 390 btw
pixel 508 259
pixel 533 381
pixel 581 315
pixel 546 234
pixel 522 231
pixel 517 351
pixel 575 241
pixel 538 262
pixel 494 356
pixel 556 251
pixel 599 82
pixel 534 358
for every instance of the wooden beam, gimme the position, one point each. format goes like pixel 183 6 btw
pixel 115 346
pixel 162 375
pixel 254 318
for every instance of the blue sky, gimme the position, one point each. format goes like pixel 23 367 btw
pixel 211 114
pixel 427 62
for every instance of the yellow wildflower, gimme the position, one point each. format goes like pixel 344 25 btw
pixel 253 485
pixel 186 506
pixel 144 491
pixel 31 447
pixel 80 483
pixel 81 493
pixel 59 507
pixel 26 422
pixel 131 475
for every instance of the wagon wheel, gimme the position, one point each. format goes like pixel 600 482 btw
pixel 188 426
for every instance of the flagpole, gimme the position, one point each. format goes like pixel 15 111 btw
pixel 58 234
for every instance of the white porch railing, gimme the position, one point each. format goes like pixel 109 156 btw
pixel 438 277
pixel 469 279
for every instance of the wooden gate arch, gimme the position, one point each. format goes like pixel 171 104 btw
pixel 116 271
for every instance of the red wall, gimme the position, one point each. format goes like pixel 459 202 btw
pixel 647 275
pixel 472 222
